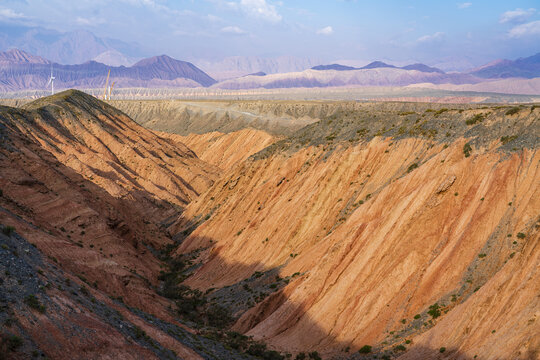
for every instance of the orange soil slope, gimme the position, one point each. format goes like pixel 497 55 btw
pixel 376 241
pixel 225 150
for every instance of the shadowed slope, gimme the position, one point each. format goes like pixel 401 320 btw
pixel 106 146
pixel 80 261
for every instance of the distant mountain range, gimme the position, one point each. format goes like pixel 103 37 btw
pixel 237 66
pixel 528 68
pixel 21 70
pixel 382 76
pixel 377 65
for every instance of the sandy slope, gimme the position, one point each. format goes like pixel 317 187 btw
pixel 225 150
pixel 377 241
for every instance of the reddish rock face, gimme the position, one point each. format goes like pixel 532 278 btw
pixel 88 187
pixel 379 232
pixel 393 227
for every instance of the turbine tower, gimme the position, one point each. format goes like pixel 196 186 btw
pixel 51 81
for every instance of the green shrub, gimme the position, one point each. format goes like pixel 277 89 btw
pixel 139 333
pixel 314 355
pixel 14 342
pixel 256 349
pixel 475 119
pixel 434 311
pixel 520 235
pixel 512 111
pixel 8 230
pixel 300 356
pixel 272 355
pixel 219 316
pixel 439 112
pixel 443 349
pixel 399 348
pixel 506 139
pixel 366 349
pixel 417 316
pixel 467 149
pixel 33 302
pixel 412 167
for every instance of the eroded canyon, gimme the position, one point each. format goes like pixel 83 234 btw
pixel 269 229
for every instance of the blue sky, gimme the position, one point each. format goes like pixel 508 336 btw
pixel 433 32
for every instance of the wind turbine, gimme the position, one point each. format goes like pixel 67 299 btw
pixel 51 81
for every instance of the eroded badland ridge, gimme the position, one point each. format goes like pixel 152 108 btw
pixel 259 229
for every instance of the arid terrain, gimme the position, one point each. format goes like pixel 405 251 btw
pixel 268 229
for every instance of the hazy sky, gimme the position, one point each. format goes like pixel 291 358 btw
pixel 429 31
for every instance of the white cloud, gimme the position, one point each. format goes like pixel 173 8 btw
pixel 464 5
pixel 438 36
pixel 326 31
pixel 257 9
pixel 89 21
pixel 83 21
pixel 11 15
pixel 516 16
pixel 235 30
pixel 527 29
pixel 213 18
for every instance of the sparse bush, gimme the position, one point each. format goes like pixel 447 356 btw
pixel 520 235
pixel 8 230
pixel 399 348
pixel 443 349
pixel 33 302
pixel 139 333
pixel 467 149
pixel 219 316
pixel 439 112
pixel 512 111
pixel 478 118
pixel 366 349
pixel 412 167
pixel 314 355
pixel 256 349
pixel 506 139
pixel 300 356
pixel 417 316
pixel 272 355
pixel 434 311
pixel 14 342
